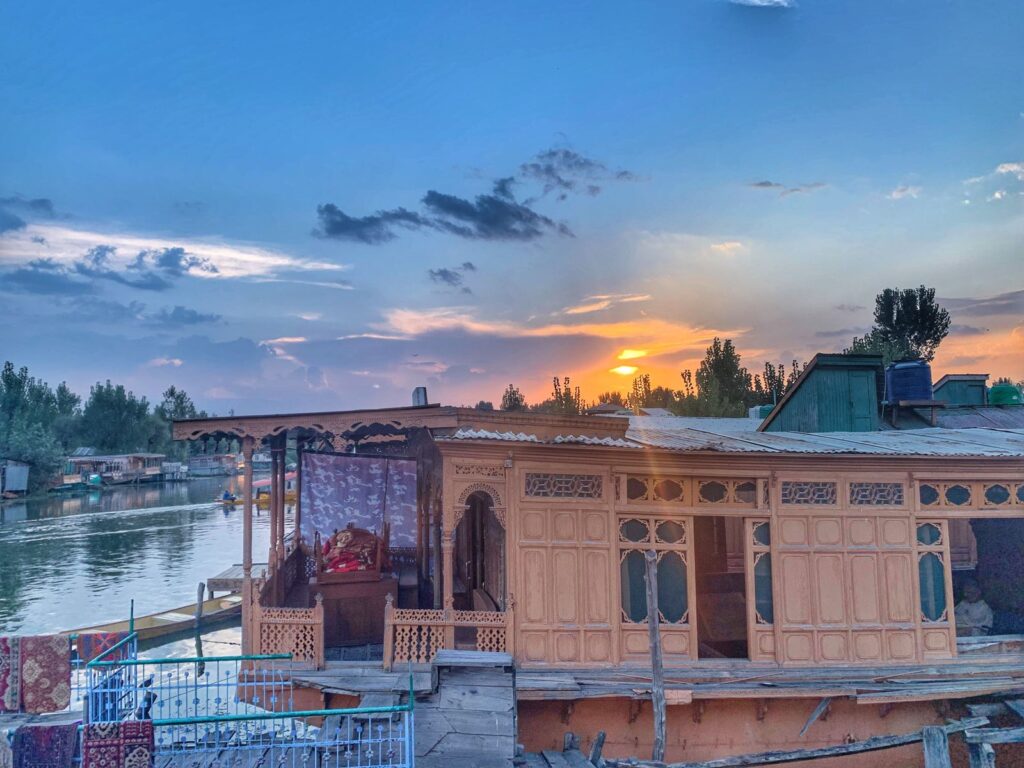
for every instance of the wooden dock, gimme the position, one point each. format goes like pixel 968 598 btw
pixel 230 580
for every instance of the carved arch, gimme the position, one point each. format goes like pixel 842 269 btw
pixel 460 508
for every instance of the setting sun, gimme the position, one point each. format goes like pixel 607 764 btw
pixel 625 370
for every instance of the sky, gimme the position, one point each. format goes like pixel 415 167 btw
pixel 323 205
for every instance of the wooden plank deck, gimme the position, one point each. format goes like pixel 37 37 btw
pixel 230 579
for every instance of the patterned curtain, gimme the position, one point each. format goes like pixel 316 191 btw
pixel 339 490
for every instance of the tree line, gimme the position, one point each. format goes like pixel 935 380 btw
pixel 40 424
pixel 908 324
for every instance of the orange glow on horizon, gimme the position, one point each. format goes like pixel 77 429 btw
pixel 624 370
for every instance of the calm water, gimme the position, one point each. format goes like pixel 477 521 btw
pixel 74 561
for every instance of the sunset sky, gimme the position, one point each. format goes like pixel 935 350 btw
pixel 313 206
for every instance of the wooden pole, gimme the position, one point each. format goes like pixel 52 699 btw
pixel 247 450
pixel 936 747
pixel 298 489
pixel 657 665
pixel 273 503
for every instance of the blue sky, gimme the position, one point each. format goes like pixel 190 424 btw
pixel 324 205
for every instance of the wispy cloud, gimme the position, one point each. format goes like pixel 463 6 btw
pixel 1011 303
pixel 765 3
pixel 904 191
pixel 231 259
pixel 728 247
pixel 453 277
pixel 1005 180
pixel 850 307
pixel 164 362
pixel 603 301
pixel 785 190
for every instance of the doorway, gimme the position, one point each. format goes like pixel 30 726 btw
pixel 718 547
pixel 479 576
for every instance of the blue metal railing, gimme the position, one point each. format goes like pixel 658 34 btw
pixel 243 707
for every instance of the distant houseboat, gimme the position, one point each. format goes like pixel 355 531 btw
pixel 113 469
pixel 212 465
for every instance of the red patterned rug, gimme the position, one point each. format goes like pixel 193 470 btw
pixel 94 644
pixel 45 673
pixel 45 745
pixel 10 673
pixel 127 744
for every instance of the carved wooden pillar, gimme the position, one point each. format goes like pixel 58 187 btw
pixel 247 450
pixel 298 490
pixel 281 485
pixel 448 550
pixel 272 508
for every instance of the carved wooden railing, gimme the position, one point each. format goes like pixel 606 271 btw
pixel 417 634
pixel 298 631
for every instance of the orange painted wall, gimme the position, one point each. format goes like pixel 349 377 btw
pixel 727 727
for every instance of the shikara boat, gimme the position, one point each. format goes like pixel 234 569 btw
pixel 175 621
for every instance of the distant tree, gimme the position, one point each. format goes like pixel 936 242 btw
pixel 909 323
pixel 565 399
pixel 114 419
pixel 643 395
pixel 611 398
pixel 28 411
pixel 513 399
pixel 771 385
pixel 484 405
pixel 721 374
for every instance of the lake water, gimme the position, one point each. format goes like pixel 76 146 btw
pixel 73 561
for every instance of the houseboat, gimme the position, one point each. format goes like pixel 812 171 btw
pixel 809 585
pixel 113 469
pixel 212 465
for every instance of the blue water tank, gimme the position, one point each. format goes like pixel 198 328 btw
pixel 911 380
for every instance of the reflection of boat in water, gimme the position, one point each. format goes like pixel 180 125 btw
pixel 176 620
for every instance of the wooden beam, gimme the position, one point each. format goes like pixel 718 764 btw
pixel 873 744
pixel 936 747
pixel 818 712
pixel 657 664
pixel 995 735
pixel 596 748
pixel 1016 706
pixel 982 755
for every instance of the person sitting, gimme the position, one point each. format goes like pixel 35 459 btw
pixel 973 615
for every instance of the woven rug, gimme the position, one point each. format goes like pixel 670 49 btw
pixel 45 673
pixel 126 744
pixel 10 673
pixel 45 745
pixel 94 644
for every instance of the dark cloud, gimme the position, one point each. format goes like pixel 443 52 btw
pixel 46 278
pixel 490 217
pixel 499 215
pixel 174 261
pixel 372 230
pixel 841 333
pixel 454 277
pixel 38 239
pixel 785 189
pixel 966 330
pixel 566 171
pixel 1011 303
pixel 40 207
pixel 9 222
pixel 850 307
pixel 91 309
pixel 96 264
pixel 447 276
pixel 180 316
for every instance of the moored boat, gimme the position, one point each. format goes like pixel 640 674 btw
pixel 175 620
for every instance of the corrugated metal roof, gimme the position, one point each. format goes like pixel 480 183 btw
pixel 917 442
pixel 680 434
pixel 522 437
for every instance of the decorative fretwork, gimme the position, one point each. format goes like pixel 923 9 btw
pixel 953 494
pixel 480 470
pixel 656 488
pixel 670 539
pixel 813 492
pixel 999 494
pixel 298 631
pixel 416 634
pixel 557 486
pixel 876 494
pixel 736 493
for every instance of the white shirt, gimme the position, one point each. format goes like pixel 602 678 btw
pixel 973 618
